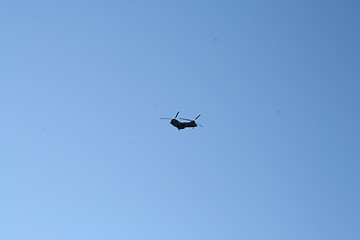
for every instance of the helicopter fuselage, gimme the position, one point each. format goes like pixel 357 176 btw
pixel 181 125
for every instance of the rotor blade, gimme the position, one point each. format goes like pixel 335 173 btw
pixel 176 115
pixel 187 119
pixel 199 124
pixel 165 118
pixel 198 116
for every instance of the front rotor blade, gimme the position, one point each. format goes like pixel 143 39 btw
pixel 199 124
pixel 176 115
pixel 187 119
pixel 198 116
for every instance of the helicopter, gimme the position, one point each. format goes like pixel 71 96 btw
pixel 181 125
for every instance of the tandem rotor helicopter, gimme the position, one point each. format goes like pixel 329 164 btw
pixel 181 125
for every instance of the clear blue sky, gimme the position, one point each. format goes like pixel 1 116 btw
pixel 84 155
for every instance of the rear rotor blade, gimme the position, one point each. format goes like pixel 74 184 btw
pixel 165 118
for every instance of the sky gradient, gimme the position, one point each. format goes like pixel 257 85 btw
pixel 85 155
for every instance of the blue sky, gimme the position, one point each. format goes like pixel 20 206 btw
pixel 84 154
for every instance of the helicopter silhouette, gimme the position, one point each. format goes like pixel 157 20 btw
pixel 181 125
